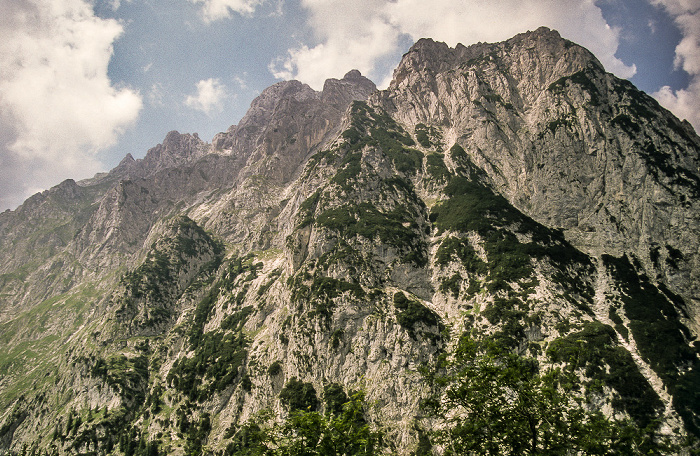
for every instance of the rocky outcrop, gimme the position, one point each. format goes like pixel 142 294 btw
pixel 175 150
pixel 288 121
pixel 568 144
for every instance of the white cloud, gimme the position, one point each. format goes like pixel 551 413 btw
pixel 351 35
pixel 57 104
pixel 241 82
pixel 678 7
pixel 358 34
pixel 155 95
pixel 209 98
pixel 684 103
pixel 652 26
pixel 214 10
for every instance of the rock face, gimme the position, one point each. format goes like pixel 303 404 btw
pixel 571 146
pixel 288 120
pixel 347 237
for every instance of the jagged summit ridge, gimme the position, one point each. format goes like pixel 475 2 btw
pixel 555 55
pixel 527 65
pixel 279 101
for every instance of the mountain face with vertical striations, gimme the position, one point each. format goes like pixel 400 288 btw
pixel 344 240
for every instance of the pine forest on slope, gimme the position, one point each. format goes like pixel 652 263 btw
pixel 498 254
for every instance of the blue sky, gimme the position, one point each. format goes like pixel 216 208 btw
pixel 83 83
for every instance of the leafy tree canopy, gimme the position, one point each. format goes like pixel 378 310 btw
pixel 343 432
pixel 491 401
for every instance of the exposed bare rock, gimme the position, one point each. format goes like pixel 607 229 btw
pixel 570 145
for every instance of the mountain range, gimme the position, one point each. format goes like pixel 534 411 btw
pixel 344 240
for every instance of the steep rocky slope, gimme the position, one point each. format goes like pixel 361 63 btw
pixel 345 239
pixel 571 146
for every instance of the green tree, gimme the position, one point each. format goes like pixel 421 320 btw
pixel 494 402
pixel 251 439
pixel 310 433
pixel 298 395
pixel 348 433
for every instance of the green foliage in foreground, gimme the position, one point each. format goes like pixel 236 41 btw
pixel 495 402
pixel 488 401
pixel 309 433
pixel 297 395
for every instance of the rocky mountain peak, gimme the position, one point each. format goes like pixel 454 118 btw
pixel 425 54
pixel 288 99
pixel 262 110
pixel 558 136
pixel 353 86
pixel 126 161
pixel 176 149
pixel 68 189
pixel 44 203
pixel 353 74
pixel 264 106
pixel 532 54
pixel 288 120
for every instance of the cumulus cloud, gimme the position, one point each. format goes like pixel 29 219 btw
pixel 241 82
pixel 156 95
pixel 685 103
pixel 351 35
pixel 214 10
pixel 58 107
pixel 358 34
pixel 209 98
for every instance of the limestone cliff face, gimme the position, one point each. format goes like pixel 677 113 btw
pixel 286 124
pixel 568 144
pixel 346 237
pixel 288 120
